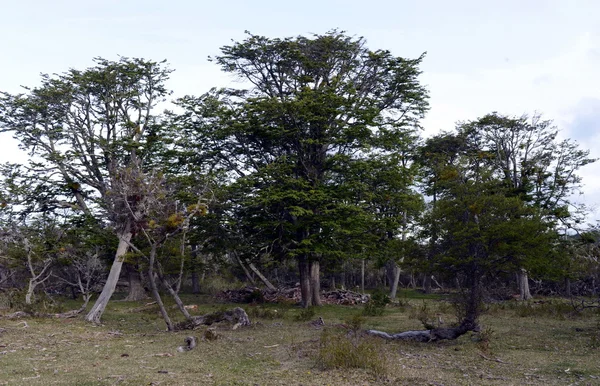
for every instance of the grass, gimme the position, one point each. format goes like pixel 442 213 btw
pixel 551 347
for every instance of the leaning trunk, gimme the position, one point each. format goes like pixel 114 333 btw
pixel 315 282
pixel 136 290
pixel 154 290
pixel 113 277
pixel 304 270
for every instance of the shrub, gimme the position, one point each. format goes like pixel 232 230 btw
pixel 264 313
pixel 376 305
pixel 306 314
pixel 336 351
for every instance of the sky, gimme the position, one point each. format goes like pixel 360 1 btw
pixel 511 56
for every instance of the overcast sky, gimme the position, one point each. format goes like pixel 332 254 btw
pixel 510 56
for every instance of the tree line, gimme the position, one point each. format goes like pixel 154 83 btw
pixel 316 161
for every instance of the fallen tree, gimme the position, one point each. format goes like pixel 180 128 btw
pixel 237 316
pixel 431 335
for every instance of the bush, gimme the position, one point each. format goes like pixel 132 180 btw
pixel 306 314
pixel 264 313
pixel 336 351
pixel 376 305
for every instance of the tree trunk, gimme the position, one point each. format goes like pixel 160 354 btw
pixel 315 282
pixel 262 277
pixel 246 272
pixel 362 276
pixel 395 280
pixel 30 289
pixel 97 310
pixel 523 281
pixel 427 283
pixel 195 279
pixel 568 292
pixel 304 269
pixel 136 290
pixel 154 290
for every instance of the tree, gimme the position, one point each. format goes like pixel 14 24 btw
pixel 477 227
pixel 82 129
pixel 314 107
pixel 534 165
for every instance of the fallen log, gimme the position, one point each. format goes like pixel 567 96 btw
pixel 237 316
pixel 431 335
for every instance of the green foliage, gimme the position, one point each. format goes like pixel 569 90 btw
pixel 376 305
pixel 355 322
pixel 336 351
pixel 265 313
pixel 548 308
pixel 306 314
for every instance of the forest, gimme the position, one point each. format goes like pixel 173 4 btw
pixel 310 184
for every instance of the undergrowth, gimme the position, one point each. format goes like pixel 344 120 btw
pixel 338 351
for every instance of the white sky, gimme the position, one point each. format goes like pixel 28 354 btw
pixel 510 56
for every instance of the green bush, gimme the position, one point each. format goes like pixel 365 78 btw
pixel 376 305
pixel 265 313
pixel 306 314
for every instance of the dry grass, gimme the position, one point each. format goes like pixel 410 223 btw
pixel 131 348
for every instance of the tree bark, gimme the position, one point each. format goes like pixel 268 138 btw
pixel 262 277
pixel 428 335
pixel 98 308
pixel 315 282
pixel 236 315
pixel 305 290
pixel 427 283
pixel 136 290
pixel 362 276
pixel 195 279
pixel 523 281
pixel 154 290
pixel 246 272
pixel 395 280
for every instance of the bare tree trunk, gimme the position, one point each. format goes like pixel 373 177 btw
pixel 30 289
pixel 396 280
pixel 362 276
pixel 568 292
pixel 195 279
pixel 523 281
pixel 98 308
pixel 154 290
pixel 427 283
pixel 136 290
pixel 315 282
pixel 305 290
pixel 261 277
pixel 246 272
pixel 396 268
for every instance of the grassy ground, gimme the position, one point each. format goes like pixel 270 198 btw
pixel 528 344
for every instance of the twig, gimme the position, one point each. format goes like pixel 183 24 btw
pixel 493 359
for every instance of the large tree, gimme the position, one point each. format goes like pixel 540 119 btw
pixel 83 129
pixel 534 165
pixel 314 106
